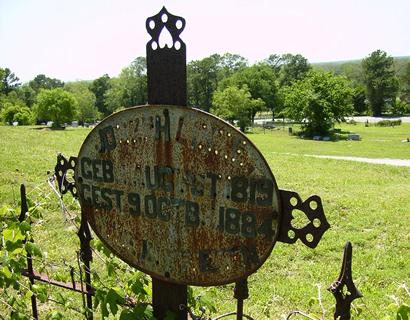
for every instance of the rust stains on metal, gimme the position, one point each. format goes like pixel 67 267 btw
pixel 179 194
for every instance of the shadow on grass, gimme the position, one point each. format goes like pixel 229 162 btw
pixel 334 135
pixel 48 128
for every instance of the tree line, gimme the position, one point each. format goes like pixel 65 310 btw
pixel 226 85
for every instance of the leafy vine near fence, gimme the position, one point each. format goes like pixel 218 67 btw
pixel 17 244
pixel 118 290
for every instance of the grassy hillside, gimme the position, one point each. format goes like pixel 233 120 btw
pixel 347 66
pixel 366 204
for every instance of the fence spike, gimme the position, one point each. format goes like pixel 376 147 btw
pixel 343 289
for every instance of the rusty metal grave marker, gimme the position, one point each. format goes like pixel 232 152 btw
pixel 179 193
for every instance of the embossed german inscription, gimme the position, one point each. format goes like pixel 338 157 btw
pixel 179 194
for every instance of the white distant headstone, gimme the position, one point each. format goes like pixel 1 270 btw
pixel 74 124
pixel 353 136
pixel 49 123
pixel 15 123
pixel 317 138
pixel 326 138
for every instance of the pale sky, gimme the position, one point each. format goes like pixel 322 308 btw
pixel 84 39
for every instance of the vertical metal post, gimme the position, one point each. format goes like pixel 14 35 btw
pixel 24 210
pixel 240 293
pixel 85 237
pixel 166 73
pixel 168 297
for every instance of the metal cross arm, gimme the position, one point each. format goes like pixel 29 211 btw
pixel 65 181
pixel 312 232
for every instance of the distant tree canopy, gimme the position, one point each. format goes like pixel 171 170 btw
pixel 41 81
pixel 288 67
pixel 378 84
pixel 294 68
pixel 13 109
pixel 8 81
pixel 236 104
pixel 261 82
pixel 129 89
pixel 87 111
pixel 204 75
pixel 381 83
pixel 359 99
pixel 56 105
pixel 27 94
pixel 318 101
pixel 264 80
pixel 99 87
pixel 202 81
pixel 16 113
pixel 230 63
pixel 405 84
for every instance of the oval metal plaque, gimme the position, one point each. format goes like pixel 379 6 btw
pixel 179 194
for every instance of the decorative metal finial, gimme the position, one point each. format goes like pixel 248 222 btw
pixel 163 21
pixel 166 60
pixel 343 289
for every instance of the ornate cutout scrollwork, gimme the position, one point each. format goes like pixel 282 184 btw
pixel 312 232
pixel 166 60
pixel 61 170
pixel 163 23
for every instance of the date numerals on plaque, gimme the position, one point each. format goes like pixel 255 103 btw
pixel 234 222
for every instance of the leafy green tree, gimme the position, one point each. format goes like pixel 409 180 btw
pixel 99 87
pixel 14 109
pixel 261 82
pixel 401 107
pixel 204 75
pixel 381 82
pixel 113 98
pixel 318 101
pixel 202 81
pixel 41 81
pixel 27 94
pixel 56 105
pixel 353 72
pixel 24 116
pixel 130 88
pixel 236 104
pixel 229 63
pixel 405 85
pixel 359 99
pixel 8 81
pixel 15 113
pixel 274 61
pixel 11 99
pixel 134 80
pixel 87 111
pixel 294 68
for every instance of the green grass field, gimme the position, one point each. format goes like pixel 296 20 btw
pixel 366 204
